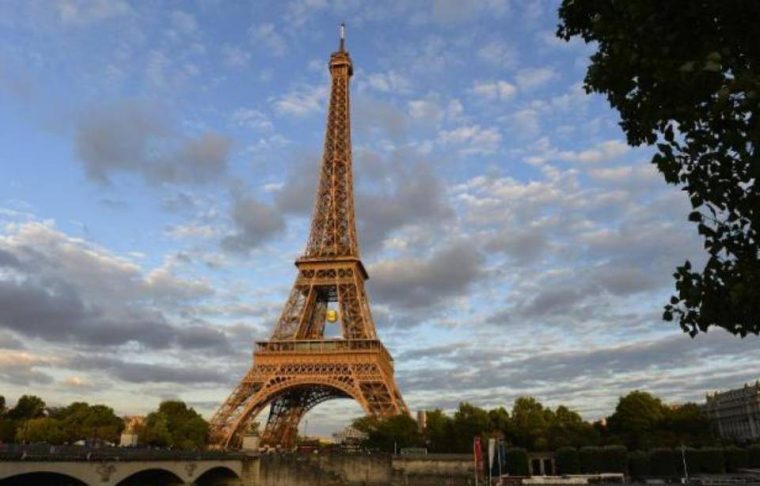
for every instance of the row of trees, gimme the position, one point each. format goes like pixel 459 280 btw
pixel 640 421
pixel 31 420
pixel 174 424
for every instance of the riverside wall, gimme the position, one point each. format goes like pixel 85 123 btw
pixel 364 470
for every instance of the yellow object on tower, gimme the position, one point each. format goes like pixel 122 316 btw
pixel 332 315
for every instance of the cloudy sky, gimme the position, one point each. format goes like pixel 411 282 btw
pixel 159 163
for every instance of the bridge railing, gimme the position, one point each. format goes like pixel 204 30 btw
pixel 47 452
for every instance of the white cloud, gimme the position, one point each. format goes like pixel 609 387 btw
pixel 473 139
pixel 388 82
pixel 268 38
pixel 426 109
pixel 183 22
pixel 302 101
pixel 251 118
pixel 529 78
pixel 525 122
pixel 191 230
pixel 498 54
pixel 431 109
pixel 299 11
pixel 494 90
pixel 456 11
pixel 234 56
pixel 602 152
pixel 84 12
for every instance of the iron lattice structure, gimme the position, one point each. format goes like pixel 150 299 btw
pixel 298 368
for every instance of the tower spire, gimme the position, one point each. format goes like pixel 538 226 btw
pixel 333 225
pixel 342 37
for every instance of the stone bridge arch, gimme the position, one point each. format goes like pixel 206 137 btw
pixel 115 473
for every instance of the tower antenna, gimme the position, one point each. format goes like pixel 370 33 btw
pixel 342 36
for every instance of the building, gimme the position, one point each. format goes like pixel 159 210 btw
pixel 736 413
pixel 349 435
pixel 422 419
pixel 129 436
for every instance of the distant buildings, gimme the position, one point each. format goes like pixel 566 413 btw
pixel 736 413
pixel 349 436
pixel 129 435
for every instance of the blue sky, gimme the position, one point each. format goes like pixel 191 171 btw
pixel 159 163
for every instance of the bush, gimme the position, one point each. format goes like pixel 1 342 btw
pixel 736 458
pixel 517 462
pixel 694 458
pixel 591 459
pixel 713 461
pixel 567 461
pixel 754 455
pixel 638 464
pixel 614 459
pixel 662 462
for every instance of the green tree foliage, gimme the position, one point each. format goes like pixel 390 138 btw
pixel 81 421
pixel 176 425
pixel 614 459
pixel 530 423
pixel 500 423
pixel 517 462
pixel 439 432
pixel 2 406
pixel 7 430
pixel 663 462
pixel 638 465
pixel 686 424
pixel 736 458
pixel 568 429
pixel 642 421
pixel 567 460
pixel 468 422
pixel 390 433
pixel 637 417
pixel 754 455
pixel 708 460
pixel 592 459
pixel 42 429
pixel 686 77
pixel 27 407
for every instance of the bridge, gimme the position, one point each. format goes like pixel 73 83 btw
pixel 77 466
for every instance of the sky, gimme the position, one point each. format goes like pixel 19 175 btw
pixel 159 165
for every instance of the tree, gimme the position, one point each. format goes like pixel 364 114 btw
pixel 530 421
pixel 686 77
pixel 568 429
pixel 174 424
pixel 81 421
pixel 500 421
pixel 42 429
pixel 687 424
pixel 27 407
pixel 439 432
pixel 390 433
pixel 637 417
pixel 2 406
pixel 7 430
pixel 468 422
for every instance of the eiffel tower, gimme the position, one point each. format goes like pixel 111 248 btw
pixel 298 367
